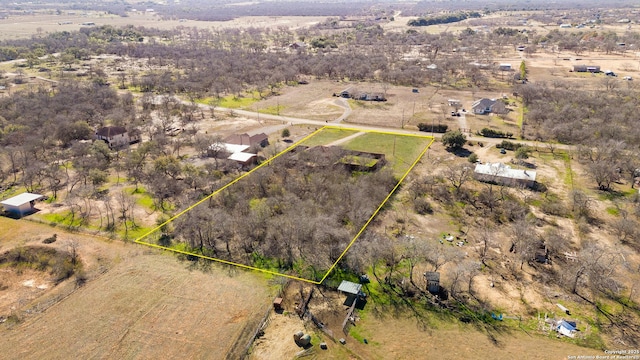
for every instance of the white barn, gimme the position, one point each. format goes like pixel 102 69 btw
pixel 22 204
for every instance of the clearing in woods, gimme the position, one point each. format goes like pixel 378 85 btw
pixel 402 151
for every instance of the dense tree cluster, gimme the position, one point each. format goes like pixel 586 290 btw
pixel 443 19
pixel 577 116
pixel 45 119
pixel 290 212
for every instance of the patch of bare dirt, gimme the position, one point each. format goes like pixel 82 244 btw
pixel 277 342
pixel 19 287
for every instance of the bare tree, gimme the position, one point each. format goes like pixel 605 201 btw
pixel 437 255
pixel 523 241
pixel 126 208
pixel 596 271
pixel 458 174
pixel 484 240
pixel 463 274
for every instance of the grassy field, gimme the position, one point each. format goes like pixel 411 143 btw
pixel 232 101
pixel 327 136
pixel 137 303
pixel 400 150
pixel 400 336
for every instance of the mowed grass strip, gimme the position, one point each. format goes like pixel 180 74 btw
pixel 327 136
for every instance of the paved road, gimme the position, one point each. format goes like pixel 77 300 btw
pixel 339 122
pixel 287 120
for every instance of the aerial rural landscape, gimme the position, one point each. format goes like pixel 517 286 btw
pixel 320 179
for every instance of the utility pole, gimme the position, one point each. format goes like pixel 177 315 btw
pixel 394 147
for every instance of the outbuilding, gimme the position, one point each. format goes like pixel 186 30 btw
pixel 566 328
pixel 243 158
pixel 504 175
pixel 349 287
pixel 22 204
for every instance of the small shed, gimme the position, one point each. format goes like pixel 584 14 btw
pixel 566 329
pixel 564 309
pixel 433 282
pixel 277 304
pixel 22 204
pixel 349 287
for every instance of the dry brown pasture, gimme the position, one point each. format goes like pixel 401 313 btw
pixel 400 337
pixel 137 303
pixel 395 334
pixel 312 101
pixel 24 26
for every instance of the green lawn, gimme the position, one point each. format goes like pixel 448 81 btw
pixel 327 136
pixel 63 218
pixel 143 198
pixel 231 101
pixel 400 150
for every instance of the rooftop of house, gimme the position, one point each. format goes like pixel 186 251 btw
pixel 231 148
pixel 484 102
pixel 109 131
pixel 245 139
pixel 502 170
pixel 241 156
pixel 258 138
pixel 240 139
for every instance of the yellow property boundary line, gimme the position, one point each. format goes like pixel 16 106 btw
pixel 140 239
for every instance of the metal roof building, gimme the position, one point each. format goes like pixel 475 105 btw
pixel 22 204
pixel 349 287
pixel 504 175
